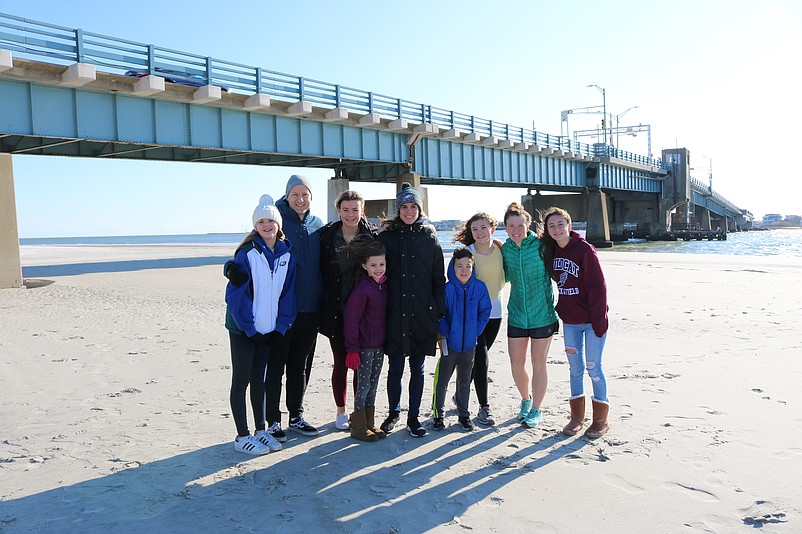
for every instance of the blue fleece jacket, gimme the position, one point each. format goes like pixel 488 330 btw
pixel 304 234
pixel 467 311
pixel 266 301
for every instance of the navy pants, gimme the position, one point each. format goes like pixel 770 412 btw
pixel 394 377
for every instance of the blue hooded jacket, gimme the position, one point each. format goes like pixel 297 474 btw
pixel 266 301
pixel 467 311
pixel 305 238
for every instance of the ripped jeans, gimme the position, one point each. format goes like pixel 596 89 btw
pixel 584 351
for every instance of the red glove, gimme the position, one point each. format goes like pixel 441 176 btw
pixel 352 360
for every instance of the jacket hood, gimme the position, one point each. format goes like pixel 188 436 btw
pixel 452 274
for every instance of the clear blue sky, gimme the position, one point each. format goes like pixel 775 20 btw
pixel 717 77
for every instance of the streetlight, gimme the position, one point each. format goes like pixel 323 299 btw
pixel 616 122
pixel 604 105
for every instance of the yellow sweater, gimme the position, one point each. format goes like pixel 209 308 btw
pixel 490 270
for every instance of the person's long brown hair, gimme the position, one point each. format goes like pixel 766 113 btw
pixel 548 246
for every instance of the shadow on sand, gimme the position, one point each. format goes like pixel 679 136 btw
pixel 119 266
pixel 395 485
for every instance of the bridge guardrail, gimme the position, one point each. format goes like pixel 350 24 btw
pixel 67 45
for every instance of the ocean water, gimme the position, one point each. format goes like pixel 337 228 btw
pixel 785 242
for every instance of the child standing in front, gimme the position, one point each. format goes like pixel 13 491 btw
pixel 260 308
pixel 364 325
pixel 468 309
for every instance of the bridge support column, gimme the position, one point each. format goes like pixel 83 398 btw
pixel 336 186
pixel 704 219
pixel 598 228
pixel 10 265
pixel 590 206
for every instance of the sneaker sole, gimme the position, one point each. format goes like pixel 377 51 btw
pixel 306 433
pixel 417 433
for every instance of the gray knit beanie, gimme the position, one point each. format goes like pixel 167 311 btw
pixel 297 179
pixel 408 194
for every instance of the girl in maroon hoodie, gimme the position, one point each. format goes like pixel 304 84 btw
pixel 582 306
pixel 364 326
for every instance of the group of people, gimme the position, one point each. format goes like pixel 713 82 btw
pixel 376 292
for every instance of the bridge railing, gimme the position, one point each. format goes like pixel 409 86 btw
pixel 67 45
pixel 703 188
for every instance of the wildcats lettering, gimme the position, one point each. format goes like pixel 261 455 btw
pixel 568 291
pixel 564 264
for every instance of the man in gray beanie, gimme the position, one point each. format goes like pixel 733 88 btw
pixel 302 230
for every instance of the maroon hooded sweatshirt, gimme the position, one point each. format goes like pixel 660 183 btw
pixel 580 285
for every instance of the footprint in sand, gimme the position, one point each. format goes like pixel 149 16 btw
pixel 624 485
pixel 697 493
pixel 763 512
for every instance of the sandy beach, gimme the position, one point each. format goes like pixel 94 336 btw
pixel 114 415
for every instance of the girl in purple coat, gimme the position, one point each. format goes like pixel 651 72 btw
pixel 364 324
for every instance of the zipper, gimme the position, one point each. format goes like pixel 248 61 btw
pixel 464 313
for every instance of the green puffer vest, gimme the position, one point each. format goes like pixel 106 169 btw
pixel 531 303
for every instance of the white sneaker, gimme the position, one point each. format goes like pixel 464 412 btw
pixel 342 421
pixel 249 445
pixel 266 439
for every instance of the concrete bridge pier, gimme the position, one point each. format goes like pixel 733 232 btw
pixel 10 265
pixel 589 206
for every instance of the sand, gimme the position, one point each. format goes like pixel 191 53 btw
pixel 114 413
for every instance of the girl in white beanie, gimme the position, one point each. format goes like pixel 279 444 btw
pixel 260 308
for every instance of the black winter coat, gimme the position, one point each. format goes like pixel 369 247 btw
pixel 336 284
pixel 416 282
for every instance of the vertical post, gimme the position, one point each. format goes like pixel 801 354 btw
pixel 258 80
pixel 10 265
pixel 151 60
pixel 79 45
pixel 208 70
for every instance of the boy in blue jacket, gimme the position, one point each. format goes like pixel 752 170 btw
pixel 467 313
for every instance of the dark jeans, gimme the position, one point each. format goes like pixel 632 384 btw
pixel 248 360
pixel 481 361
pixel 294 354
pixel 394 376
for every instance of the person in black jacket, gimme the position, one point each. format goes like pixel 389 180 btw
pixel 339 278
pixel 416 281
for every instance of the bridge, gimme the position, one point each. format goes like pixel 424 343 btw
pixel 68 92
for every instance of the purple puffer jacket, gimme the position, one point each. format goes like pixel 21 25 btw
pixel 365 315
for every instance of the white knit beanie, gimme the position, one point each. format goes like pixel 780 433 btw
pixel 266 210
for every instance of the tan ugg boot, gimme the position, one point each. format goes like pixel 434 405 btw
pixel 600 425
pixel 370 422
pixel 359 429
pixel 577 421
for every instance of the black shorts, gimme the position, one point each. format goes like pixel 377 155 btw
pixel 534 333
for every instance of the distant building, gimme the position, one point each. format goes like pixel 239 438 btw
pixel 770 218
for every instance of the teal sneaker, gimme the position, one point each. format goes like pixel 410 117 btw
pixel 526 406
pixel 532 418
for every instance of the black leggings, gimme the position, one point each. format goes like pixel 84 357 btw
pixel 481 361
pixel 248 363
pixel 293 354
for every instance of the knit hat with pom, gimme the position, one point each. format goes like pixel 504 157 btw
pixel 408 194
pixel 266 210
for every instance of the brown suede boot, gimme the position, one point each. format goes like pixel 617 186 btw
pixel 600 425
pixel 370 422
pixel 359 429
pixel 577 421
